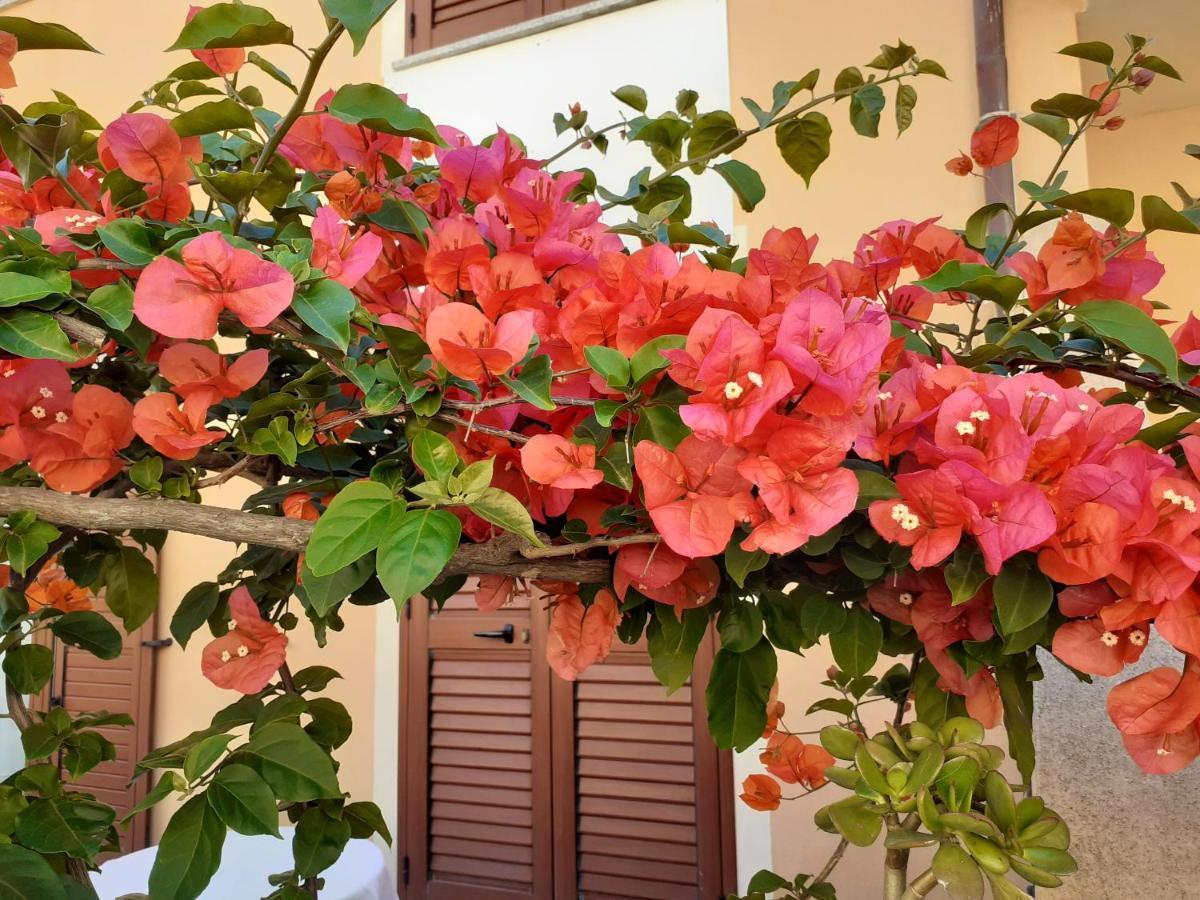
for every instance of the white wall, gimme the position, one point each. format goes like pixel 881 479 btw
pixel 663 46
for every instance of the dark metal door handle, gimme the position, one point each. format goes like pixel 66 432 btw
pixel 504 634
pixel 158 642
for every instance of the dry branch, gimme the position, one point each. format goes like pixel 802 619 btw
pixel 502 556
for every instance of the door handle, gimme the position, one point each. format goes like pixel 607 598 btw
pixel 157 643
pixel 504 634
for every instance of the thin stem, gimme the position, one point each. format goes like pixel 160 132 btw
pixel 297 108
pixel 920 886
pixel 582 139
pixel 823 876
pixel 737 140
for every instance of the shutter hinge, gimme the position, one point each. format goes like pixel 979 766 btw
pixel 412 24
pixel 408 608
pixel 404 871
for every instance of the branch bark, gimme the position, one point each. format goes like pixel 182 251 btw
pixel 505 555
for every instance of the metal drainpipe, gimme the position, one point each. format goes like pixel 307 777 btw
pixel 991 75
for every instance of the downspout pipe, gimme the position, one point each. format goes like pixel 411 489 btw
pixel 991 76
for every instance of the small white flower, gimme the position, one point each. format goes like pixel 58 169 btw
pixel 965 428
pixel 9 373
pixel 1108 639
pixel 60 417
pixel 46 392
pixel 243 651
pixel 733 390
pixel 1137 637
pixel 225 657
pixel 981 415
pixel 910 523
pixel 899 512
pixel 905 598
pixel 754 378
pixel 1163 751
pixel 885 395
pixel 1083 407
pixel 38 412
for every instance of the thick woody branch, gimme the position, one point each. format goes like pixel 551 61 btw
pixel 502 556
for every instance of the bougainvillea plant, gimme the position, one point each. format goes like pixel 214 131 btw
pixel 438 361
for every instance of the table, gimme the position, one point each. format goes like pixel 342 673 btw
pixel 360 873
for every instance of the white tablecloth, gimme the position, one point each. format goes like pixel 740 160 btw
pixel 360 873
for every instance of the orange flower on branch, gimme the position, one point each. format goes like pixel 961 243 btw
pixel 52 588
pixel 761 792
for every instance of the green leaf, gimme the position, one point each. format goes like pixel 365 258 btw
pixel 821 615
pixel 1096 51
pixel 326 592
pixel 374 106
pixel 351 527
pixel 113 303
pixel 873 486
pixel 662 425
pixel 366 819
pixel 505 511
pixel 973 278
pixel 1131 328
pixel 865 106
pixel 533 382
pixel 632 95
pixel 168 783
pixel 413 552
pixel 856 646
pixel 1167 431
pixel 25 875
pixel 1054 127
pixel 131 586
pixel 855 822
pixel 747 184
pixel 325 307
pixel 1023 595
pixel 189 852
pixel 1161 66
pixel 1016 695
pixel 292 763
pixel 359 17
pixel 27 667
pixel 88 631
pixel 957 873
pixel 611 364
pixel 200 758
pixel 672 643
pixel 435 455
pixel 32 35
pixel 965 574
pixel 737 694
pixel 764 881
pixel 29 542
pixel 17 288
pixel 197 605
pixel 906 101
pixel 1157 215
pixel 211 117
pixel 740 626
pixel 59 825
pixel 231 25
pixel 243 801
pixel 715 132
pixel 976 230
pixel 319 841
pixel 740 563
pixel 1067 106
pixel 648 360
pixel 804 143
pixel 35 335
pixel 1113 205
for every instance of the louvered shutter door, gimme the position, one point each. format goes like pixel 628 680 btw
pixel 477 784
pixel 84 683
pixel 440 22
pixel 647 786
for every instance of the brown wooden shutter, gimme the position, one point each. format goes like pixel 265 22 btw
pixel 475 784
pixel 516 784
pixel 648 785
pixel 84 683
pixel 434 23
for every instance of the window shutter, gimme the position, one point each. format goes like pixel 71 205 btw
pixel 455 20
